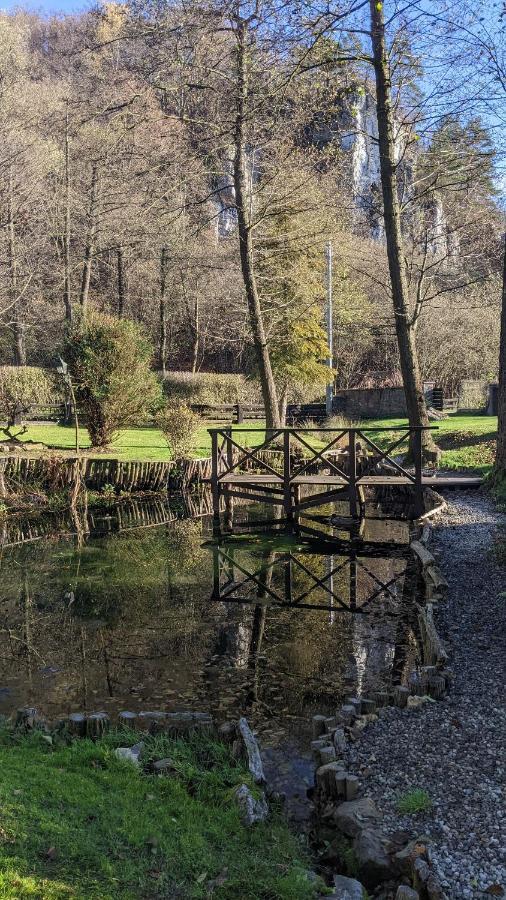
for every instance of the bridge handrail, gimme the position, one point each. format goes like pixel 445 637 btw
pixel 304 429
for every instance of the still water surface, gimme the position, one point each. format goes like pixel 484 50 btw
pixel 163 616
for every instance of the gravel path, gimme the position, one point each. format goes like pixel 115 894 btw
pixel 455 749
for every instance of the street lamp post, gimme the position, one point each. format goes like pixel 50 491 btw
pixel 63 370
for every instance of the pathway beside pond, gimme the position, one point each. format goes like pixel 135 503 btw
pixel 455 750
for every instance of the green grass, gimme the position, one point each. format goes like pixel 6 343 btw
pixel 414 801
pixel 467 442
pixel 141 444
pixel 79 823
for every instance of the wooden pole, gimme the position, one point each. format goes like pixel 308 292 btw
pixel 330 317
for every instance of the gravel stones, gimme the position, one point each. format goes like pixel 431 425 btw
pixel 454 749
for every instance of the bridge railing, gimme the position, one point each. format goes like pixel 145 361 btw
pixel 349 457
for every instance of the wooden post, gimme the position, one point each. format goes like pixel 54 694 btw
pixel 215 487
pixel 417 448
pixel 352 464
pixel 229 501
pixel 239 414
pixel 287 488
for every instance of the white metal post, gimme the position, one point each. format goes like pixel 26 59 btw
pixel 330 360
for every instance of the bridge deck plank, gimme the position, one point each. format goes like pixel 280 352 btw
pixel 442 481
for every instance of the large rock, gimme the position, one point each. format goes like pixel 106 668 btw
pixel 346 889
pixel 252 751
pixel 131 754
pixel 406 893
pixel 373 862
pixel 405 858
pixel 353 816
pixel 250 809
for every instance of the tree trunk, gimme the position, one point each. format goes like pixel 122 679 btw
pixel 500 459
pixel 243 203
pixel 67 298
pixel 283 402
pixel 410 369
pixel 90 239
pixel 18 328
pixel 121 282
pixel 162 347
pixel 195 336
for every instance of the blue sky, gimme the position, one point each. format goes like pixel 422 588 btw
pixel 46 7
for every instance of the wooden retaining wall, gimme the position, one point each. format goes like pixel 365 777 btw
pixel 56 473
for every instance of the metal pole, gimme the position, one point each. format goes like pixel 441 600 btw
pixel 330 317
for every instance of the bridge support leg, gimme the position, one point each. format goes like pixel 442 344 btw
pixel 215 485
pixel 417 450
pixel 352 457
pixel 287 487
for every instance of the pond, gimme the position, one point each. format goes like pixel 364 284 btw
pixel 150 611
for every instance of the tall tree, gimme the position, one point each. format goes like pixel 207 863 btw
pixel 404 326
pixel 242 183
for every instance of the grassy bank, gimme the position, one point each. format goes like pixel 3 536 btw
pixel 467 442
pixel 79 823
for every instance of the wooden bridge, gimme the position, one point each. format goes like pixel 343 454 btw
pixel 349 461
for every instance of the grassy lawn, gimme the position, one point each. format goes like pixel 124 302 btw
pixel 79 823
pixel 141 444
pixel 467 442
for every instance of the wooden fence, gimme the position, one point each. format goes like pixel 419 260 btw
pixel 228 413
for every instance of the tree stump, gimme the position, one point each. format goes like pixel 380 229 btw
pixel 331 780
pixel 127 719
pixel 27 718
pixel 152 721
pixel 76 724
pixel 437 687
pixel 97 724
pixel 179 724
pixel 318 726
pixel 382 698
pixel 316 746
pixel 327 754
pixel 227 732
pixel 400 696
pixel 352 785
pixel 347 714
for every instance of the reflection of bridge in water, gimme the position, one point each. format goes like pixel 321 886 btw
pixel 341 579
